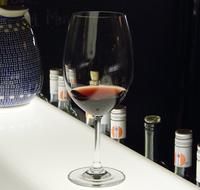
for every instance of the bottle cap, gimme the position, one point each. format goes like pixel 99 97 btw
pixel 55 71
pixel 183 134
pixel 118 113
pixel 183 137
pixel 152 119
pixel 119 109
pixel 61 81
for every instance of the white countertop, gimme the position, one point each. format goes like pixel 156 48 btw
pixel 40 145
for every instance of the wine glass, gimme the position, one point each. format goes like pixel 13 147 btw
pixel 98 70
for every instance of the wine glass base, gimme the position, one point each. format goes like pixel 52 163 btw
pixel 82 177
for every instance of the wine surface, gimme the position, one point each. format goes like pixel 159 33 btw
pixel 97 100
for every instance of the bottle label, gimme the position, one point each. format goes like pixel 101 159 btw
pixel 72 77
pixel 118 129
pixel 183 157
pixel 62 93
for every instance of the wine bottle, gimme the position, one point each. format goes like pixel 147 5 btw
pixel 89 119
pixel 72 77
pixel 183 153
pixel 151 128
pixel 118 123
pixel 64 101
pixel 53 85
pixel 105 124
pixel 62 94
pixel 94 76
pixel 198 166
pixel 72 108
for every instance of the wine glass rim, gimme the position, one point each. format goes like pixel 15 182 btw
pixel 98 14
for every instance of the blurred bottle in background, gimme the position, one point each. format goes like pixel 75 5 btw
pixel 72 77
pixel 72 108
pixel 105 124
pixel 90 119
pixel 94 81
pixel 53 85
pixel 62 94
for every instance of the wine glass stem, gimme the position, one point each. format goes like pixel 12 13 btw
pixel 96 165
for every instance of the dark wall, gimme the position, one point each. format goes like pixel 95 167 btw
pixel 165 53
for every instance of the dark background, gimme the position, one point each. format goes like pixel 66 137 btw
pixel 166 54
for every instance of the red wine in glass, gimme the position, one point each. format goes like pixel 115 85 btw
pixel 98 99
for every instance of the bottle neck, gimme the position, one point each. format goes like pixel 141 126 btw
pixel 122 141
pixel 54 98
pixel 151 144
pixel 183 172
pixel 63 105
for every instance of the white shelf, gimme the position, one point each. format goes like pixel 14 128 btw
pixel 40 145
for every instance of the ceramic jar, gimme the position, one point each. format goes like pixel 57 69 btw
pixel 20 68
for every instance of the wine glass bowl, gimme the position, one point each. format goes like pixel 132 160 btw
pixel 98 71
pixel 97 99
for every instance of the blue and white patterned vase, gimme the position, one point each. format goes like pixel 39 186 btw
pixel 20 68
